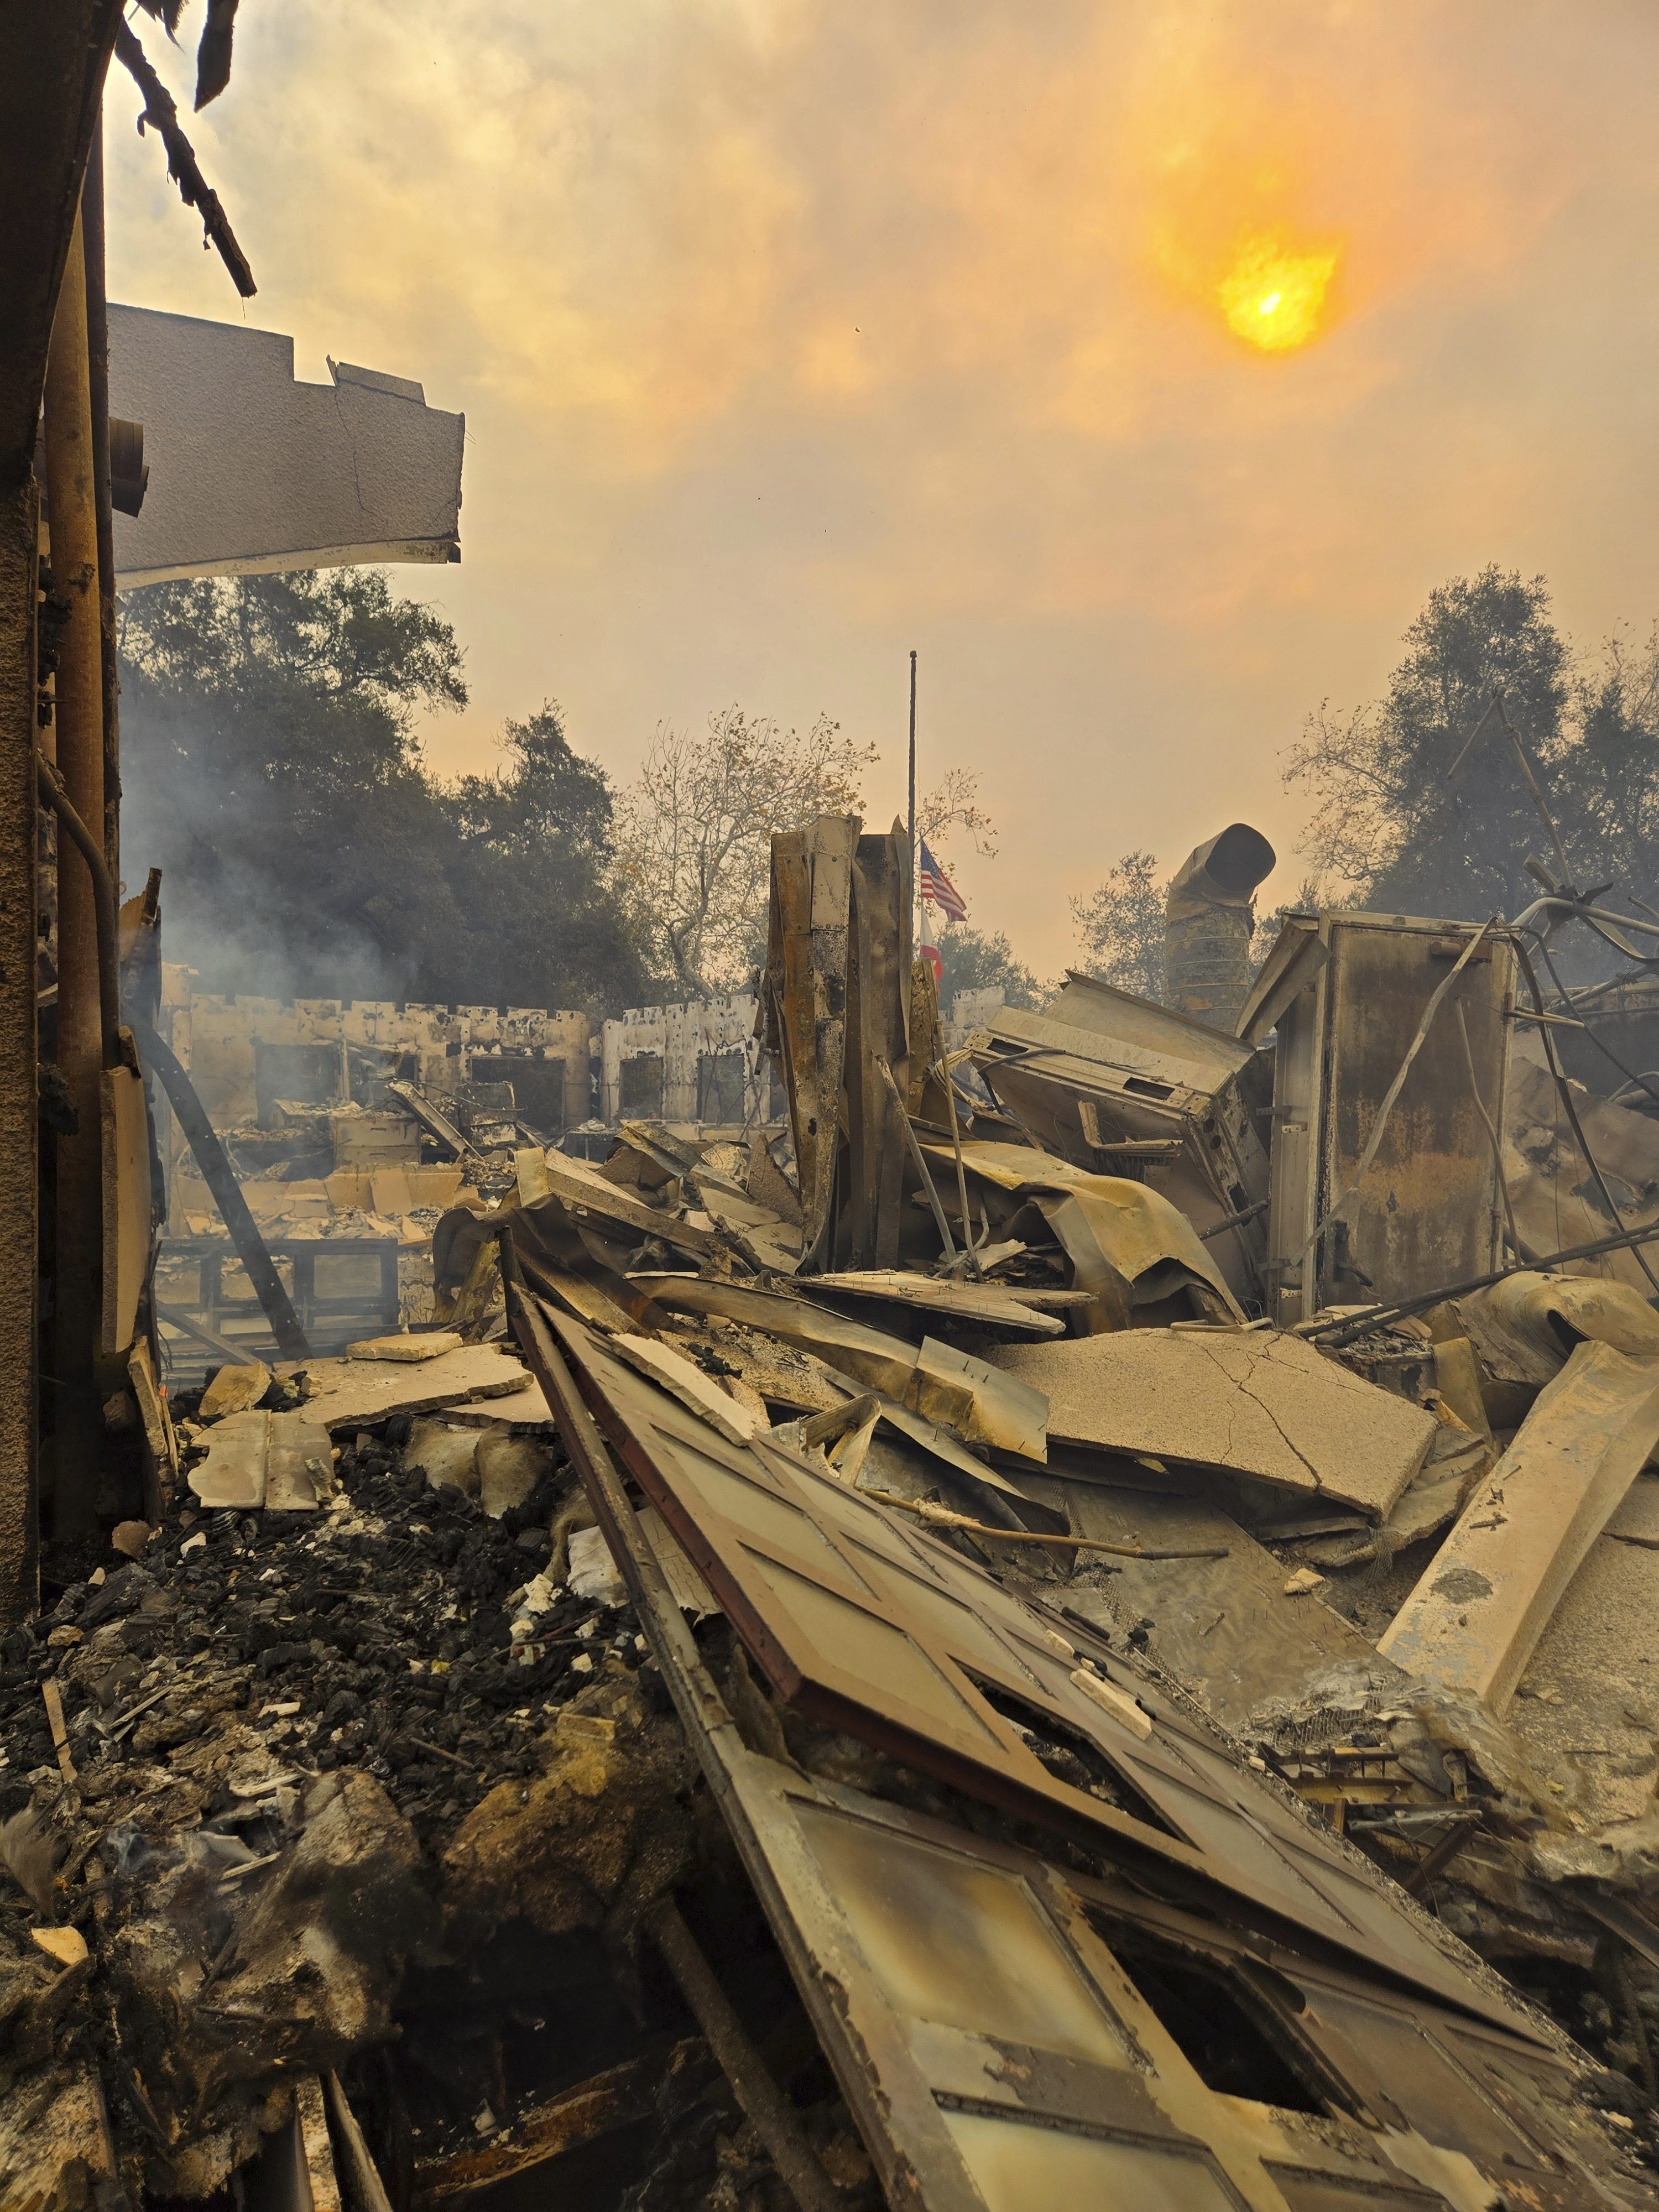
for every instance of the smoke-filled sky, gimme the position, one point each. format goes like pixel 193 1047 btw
pixel 1141 367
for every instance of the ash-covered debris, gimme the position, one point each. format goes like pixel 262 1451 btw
pixel 1018 1498
pixel 387 1778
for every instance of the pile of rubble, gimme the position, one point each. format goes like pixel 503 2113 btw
pixel 1075 1626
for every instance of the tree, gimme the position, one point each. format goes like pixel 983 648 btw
pixel 1414 818
pixel 1394 821
pixel 976 960
pixel 532 874
pixel 1121 927
pixel 694 836
pixel 1613 771
pixel 268 724
pixel 951 805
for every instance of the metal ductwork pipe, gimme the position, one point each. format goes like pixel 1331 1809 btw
pixel 1209 916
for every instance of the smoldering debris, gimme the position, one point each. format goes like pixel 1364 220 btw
pixel 1072 1622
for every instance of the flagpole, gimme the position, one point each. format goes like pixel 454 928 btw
pixel 915 866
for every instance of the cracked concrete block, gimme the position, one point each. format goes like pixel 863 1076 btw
pixel 1248 1400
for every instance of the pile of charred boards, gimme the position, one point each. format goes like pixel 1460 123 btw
pixel 1075 1623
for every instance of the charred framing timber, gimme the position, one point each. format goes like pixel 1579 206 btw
pixel 74 742
pixel 53 63
pixel 18 1110
pixel 871 1192
pixel 775 2119
pixel 805 1007
pixel 220 1180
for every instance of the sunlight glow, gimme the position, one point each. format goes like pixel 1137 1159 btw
pixel 1273 296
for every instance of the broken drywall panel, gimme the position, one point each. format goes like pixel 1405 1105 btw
pixel 1473 1620
pixel 352 1394
pixel 252 471
pixel 1251 1401
pixel 300 1464
pixel 233 1472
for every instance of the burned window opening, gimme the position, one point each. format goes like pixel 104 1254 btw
pixel 1225 2031
pixel 1071 1757
pixel 538 1086
pixel 639 1086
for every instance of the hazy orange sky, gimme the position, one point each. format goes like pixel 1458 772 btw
pixel 790 337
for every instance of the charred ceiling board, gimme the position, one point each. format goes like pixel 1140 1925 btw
pixel 255 471
pixel 1427 1211
pixel 975 1304
pixel 1009 2035
pixel 806 960
pixel 870 1626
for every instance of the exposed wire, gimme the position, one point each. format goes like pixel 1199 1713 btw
pixel 1564 1091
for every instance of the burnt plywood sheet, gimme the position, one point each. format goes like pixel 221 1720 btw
pixel 872 1627
pixel 1251 1401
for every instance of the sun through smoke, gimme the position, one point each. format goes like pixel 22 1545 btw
pixel 1271 296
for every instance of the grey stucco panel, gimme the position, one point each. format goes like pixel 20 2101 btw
pixel 251 472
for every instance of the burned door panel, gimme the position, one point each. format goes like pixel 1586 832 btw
pixel 1008 2032
pixel 819 1580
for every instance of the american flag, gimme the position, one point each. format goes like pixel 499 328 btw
pixel 937 890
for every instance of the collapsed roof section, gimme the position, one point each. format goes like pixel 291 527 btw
pixel 253 472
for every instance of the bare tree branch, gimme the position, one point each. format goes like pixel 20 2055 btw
pixel 161 114
pixel 694 835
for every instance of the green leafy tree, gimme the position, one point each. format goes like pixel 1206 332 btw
pixel 1120 926
pixel 980 960
pixel 1397 818
pixel 532 873
pixel 272 771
